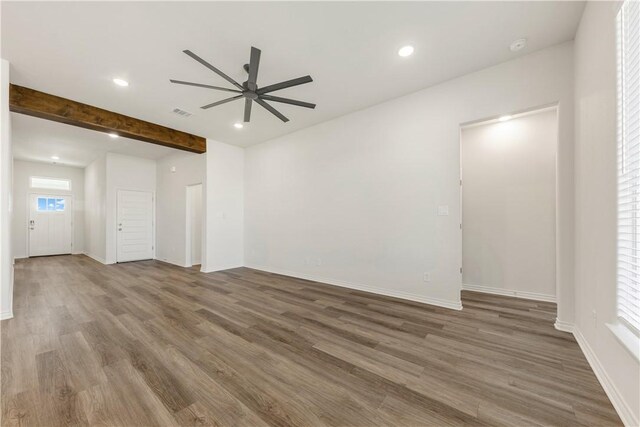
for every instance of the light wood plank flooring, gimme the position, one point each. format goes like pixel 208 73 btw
pixel 147 343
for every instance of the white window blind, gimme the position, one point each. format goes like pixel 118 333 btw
pixel 629 164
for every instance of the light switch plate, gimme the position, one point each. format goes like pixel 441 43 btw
pixel 443 210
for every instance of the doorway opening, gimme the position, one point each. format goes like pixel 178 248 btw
pixel 193 243
pixel 508 199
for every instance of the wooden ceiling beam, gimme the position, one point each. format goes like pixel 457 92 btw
pixel 39 104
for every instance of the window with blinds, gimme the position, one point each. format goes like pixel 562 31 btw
pixel 629 164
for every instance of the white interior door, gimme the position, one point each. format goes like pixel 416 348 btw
pixel 50 225
pixel 135 225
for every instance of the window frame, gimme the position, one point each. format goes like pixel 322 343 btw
pixel 47 199
pixel 67 180
pixel 622 328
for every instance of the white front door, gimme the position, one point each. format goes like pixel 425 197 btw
pixel 135 226
pixel 50 225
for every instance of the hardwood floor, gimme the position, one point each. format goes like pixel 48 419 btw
pixel 148 343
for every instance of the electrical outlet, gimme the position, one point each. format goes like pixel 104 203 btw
pixel 443 210
pixel 427 277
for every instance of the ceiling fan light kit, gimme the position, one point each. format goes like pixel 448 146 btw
pixel 249 90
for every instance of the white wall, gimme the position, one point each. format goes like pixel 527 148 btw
pixel 22 171
pixel 595 225
pixel 354 201
pixel 223 207
pixel 95 187
pixel 124 173
pixel 6 189
pixel 171 202
pixel 509 206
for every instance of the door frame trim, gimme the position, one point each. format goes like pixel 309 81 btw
pixel 153 219
pixel 73 218
pixel 188 256
pixel 558 227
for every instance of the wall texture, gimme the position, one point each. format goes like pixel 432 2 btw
pixel 354 201
pixel 171 203
pixel 22 171
pixel 595 225
pixel 95 196
pixel 509 206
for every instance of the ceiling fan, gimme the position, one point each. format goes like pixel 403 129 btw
pixel 249 90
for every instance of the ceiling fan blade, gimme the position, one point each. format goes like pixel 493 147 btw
pixel 247 110
pixel 180 82
pixel 254 63
pixel 272 110
pixel 214 69
pixel 224 101
pixel 288 101
pixel 284 85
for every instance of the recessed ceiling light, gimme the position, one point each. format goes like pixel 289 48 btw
pixel 113 135
pixel 504 118
pixel 405 51
pixel 121 82
pixel 238 125
pixel 55 158
pixel 517 45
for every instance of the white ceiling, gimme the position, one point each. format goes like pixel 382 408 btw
pixel 37 140
pixel 74 49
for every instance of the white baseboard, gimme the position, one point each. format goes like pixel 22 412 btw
pixel 510 293
pixel 221 268
pixel 454 305
pixel 6 315
pixel 563 326
pixel 626 414
pixel 172 262
pixel 96 258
